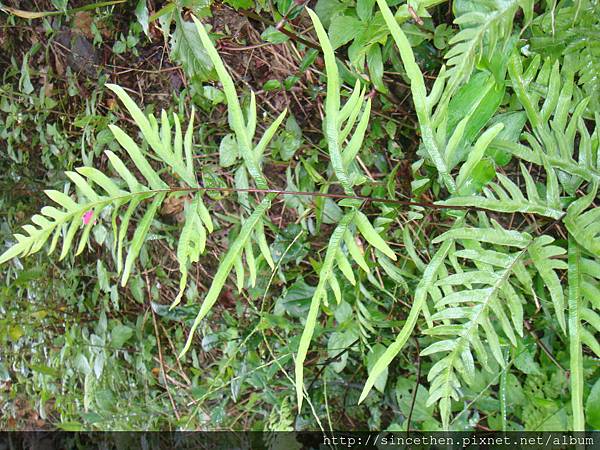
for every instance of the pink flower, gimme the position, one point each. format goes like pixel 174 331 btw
pixel 87 217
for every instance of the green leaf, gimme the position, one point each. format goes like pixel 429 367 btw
pixel 465 180
pixel 81 364
pixel 372 357
pixel 289 140
pixel 498 236
pixel 228 151
pixel 272 85
pixel 507 197
pixel 70 426
pixel 372 237
pixel 141 13
pixel 327 9
pixel 268 135
pixel 364 9
pixel 274 36
pixel 215 95
pixel 119 335
pixel 336 344
pixel 188 50
pixel 491 22
pixel 138 158
pixel 592 407
pixel 343 29
pixel 543 256
pixel 236 117
pixel 582 224
pixel 419 94
pixel 375 65
pixel 355 251
pixel 332 106
pixel 191 243
pixel 140 236
pixel 478 100
pixel 263 245
pixel 240 4
pixel 345 267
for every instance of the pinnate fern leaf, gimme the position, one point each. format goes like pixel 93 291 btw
pixel 482 29
pixel 96 192
pixel 505 196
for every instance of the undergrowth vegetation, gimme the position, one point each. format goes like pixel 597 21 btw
pixel 393 226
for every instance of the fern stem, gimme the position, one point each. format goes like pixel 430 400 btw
pixel 576 357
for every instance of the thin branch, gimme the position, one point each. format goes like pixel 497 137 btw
pixel 363 198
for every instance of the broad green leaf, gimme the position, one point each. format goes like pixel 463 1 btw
pixel 228 151
pixel 343 29
pixel 119 335
pixel 592 407
pixel 187 49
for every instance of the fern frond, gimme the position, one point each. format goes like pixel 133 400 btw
pixel 430 275
pixel 560 137
pixel 569 33
pixel 583 223
pixel 590 304
pixel 544 257
pixel 483 28
pixel 325 276
pixel 477 301
pixel 470 304
pixel 244 130
pixel 340 122
pixel 253 226
pixel 96 191
pixel 419 93
pixel 232 256
pixel 372 236
pixel 507 197
pixel 584 322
